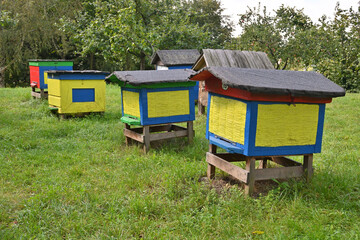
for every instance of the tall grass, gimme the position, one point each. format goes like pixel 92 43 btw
pixel 76 179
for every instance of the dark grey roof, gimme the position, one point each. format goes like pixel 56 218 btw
pixel 233 58
pixel 176 57
pixel 296 83
pixel 77 71
pixel 151 76
pixel 49 60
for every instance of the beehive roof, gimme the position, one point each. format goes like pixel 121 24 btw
pixel 151 76
pixel 176 57
pixel 270 81
pixel 77 71
pixel 233 58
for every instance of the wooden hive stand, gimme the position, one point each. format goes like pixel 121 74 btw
pixel 42 94
pixel 289 169
pixel 150 133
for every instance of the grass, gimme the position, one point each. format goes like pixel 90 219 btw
pixel 76 179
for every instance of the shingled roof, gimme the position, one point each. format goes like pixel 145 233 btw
pixel 233 58
pixel 151 76
pixel 176 57
pixel 270 81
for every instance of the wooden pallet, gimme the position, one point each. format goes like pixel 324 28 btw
pixel 41 95
pixel 151 133
pixel 289 169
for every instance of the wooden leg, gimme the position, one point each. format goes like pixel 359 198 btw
pixel 263 164
pixel 211 168
pixel 190 131
pixel 146 135
pixel 127 139
pixel 201 108
pixel 42 93
pixel 250 166
pixel 212 148
pixel 308 167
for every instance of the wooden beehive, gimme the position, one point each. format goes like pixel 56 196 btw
pixel 156 97
pixel 176 59
pixel 258 112
pixel 38 68
pixel 74 92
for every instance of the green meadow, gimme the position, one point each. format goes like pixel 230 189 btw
pixel 76 179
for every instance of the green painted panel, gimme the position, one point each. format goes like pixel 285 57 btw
pixel 131 120
pixel 51 64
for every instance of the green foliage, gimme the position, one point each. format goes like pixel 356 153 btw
pixel 76 179
pixel 292 41
pixel 128 32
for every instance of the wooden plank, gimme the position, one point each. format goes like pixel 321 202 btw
pixel 161 128
pixel 146 138
pixel 176 128
pixel 263 164
pixel 133 135
pixel 250 184
pixel 190 131
pixel 307 167
pixel 278 173
pixel 286 162
pixel 232 157
pixel 227 167
pixel 168 135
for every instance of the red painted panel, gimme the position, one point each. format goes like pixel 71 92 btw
pixel 213 84
pixel 35 76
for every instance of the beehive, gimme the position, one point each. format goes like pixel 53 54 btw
pixel 38 68
pixel 258 112
pixel 155 97
pixel 77 91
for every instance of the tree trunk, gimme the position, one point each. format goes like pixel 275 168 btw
pixel 2 79
pixel 91 61
pixel 142 61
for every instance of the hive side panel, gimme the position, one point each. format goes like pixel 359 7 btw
pixel 35 75
pixel 54 87
pixel 227 118
pixel 67 100
pixel 286 125
pixel 131 103
pixel 168 103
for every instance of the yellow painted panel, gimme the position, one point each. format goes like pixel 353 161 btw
pixel 169 103
pixel 131 103
pixel 286 125
pixel 45 77
pixel 67 106
pixel 54 87
pixel 54 101
pixel 227 118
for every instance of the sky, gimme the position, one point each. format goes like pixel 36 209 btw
pixel 313 8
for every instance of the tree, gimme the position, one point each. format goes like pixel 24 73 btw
pixel 278 35
pixel 28 30
pixel 130 31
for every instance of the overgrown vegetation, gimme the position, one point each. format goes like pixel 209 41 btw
pixel 123 34
pixel 75 179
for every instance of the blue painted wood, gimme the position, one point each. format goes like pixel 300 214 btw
pixel 320 129
pixel 79 76
pixel 83 95
pixel 43 69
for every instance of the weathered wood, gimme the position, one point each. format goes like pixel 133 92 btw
pixel 127 139
pixel 308 167
pixel 284 161
pixel 190 131
pixel 146 138
pixel 212 148
pixel 263 164
pixel 250 183
pixel 227 167
pixel 41 95
pixel 133 135
pixel 232 157
pixel 210 171
pixel 168 135
pixel 278 173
